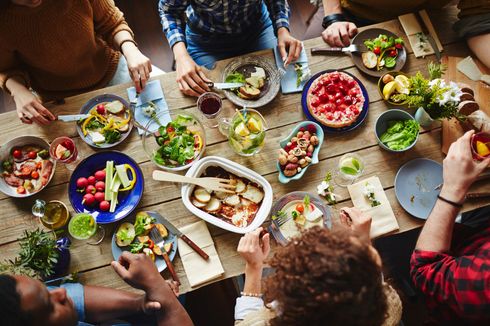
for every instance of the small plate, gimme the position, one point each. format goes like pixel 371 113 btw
pixel 371 34
pixel 360 118
pixel 128 200
pixel 245 65
pixel 416 186
pixel 93 102
pixel 159 261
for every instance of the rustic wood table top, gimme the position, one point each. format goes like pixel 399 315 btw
pixel 93 262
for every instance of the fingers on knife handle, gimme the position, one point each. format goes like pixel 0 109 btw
pixel 171 268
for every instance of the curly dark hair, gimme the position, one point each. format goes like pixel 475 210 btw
pixel 11 313
pixel 326 277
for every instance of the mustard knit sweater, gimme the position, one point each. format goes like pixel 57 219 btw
pixel 62 47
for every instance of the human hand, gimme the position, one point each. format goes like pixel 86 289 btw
pixel 190 77
pixel 460 170
pixel 254 249
pixel 339 34
pixel 139 65
pixel 358 221
pixel 29 107
pixel 289 47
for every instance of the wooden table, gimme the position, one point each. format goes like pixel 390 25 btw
pixel 93 262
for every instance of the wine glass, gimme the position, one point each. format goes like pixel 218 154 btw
pixel 83 226
pixel 210 105
pixel 64 150
pixel 350 168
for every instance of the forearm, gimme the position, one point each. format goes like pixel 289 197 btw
pixel 16 84
pixel 332 7
pixel 180 50
pixel 480 46
pixel 171 312
pixel 437 232
pixel 253 279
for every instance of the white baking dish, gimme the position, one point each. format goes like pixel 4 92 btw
pixel 198 169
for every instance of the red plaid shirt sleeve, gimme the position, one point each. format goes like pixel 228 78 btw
pixel 456 287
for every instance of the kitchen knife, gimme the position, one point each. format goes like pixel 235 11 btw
pixel 73 117
pixel 176 231
pixel 225 85
pixel 425 32
pixel 353 48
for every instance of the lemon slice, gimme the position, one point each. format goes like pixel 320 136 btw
pixel 402 84
pixel 242 130
pixel 254 125
pixel 482 149
pixel 402 79
pixel 389 89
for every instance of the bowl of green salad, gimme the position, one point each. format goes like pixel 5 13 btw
pixel 396 130
pixel 174 140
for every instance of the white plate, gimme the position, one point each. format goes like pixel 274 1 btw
pixel 239 170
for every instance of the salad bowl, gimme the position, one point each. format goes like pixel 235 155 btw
pixel 383 123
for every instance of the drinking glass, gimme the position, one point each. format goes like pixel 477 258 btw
pixel 210 105
pixel 83 226
pixel 52 215
pixel 64 150
pixel 350 168
pixel 483 140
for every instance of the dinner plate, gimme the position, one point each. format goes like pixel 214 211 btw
pixel 128 200
pixel 95 101
pixel 159 261
pixel 245 65
pixel 360 118
pixel 371 34
pixel 416 186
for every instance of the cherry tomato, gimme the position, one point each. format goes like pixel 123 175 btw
pixel 151 244
pixel 88 199
pixel 17 153
pixel 21 190
pixel 393 53
pixel 300 208
pixel 91 180
pixel 32 155
pixel 101 109
pixel 399 46
pixel 170 129
pixel 35 175
pixel 104 205
pixel 39 165
pixel 82 182
pixel 377 50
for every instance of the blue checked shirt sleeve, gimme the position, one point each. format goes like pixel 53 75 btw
pixel 171 15
pixel 279 12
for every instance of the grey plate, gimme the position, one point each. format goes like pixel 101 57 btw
pixel 415 185
pixel 244 65
pixel 159 262
pixel 93 102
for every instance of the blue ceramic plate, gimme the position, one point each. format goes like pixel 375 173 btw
pixel 159 262
pixel 314 158
pixel 360 118
pixel 415 186
pixel 128 200
pixel 93 102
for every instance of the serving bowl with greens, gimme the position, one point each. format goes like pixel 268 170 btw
pixel 177 141
pixel 396 130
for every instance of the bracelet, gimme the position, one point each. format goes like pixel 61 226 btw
pixel 333 18
pixel 255 295
pixel 450 202
pixel 127 40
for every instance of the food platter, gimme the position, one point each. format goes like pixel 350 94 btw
pixel 127 200
pixel 417 185
pixel 371 34
pixel 360 119
pixel 159 261
pixel 246 66
pixel 92 105
pixel 39 166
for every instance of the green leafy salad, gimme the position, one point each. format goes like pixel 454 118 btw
pixel 400 134
pixel 179 143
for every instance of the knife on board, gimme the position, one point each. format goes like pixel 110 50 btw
pixel 179 234
pixel 426 34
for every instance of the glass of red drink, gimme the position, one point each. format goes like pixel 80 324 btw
pixel 64 150
pixel 210 105
pixel 480 146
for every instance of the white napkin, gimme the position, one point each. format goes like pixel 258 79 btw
pixel 197 269
pixel 384 220
pixel 289 79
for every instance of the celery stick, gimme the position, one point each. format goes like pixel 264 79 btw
pixel 116 183
pixel 112 209
pixel 109 174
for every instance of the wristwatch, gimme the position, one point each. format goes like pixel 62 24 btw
pixel 333 18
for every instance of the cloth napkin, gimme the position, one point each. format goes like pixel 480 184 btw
pixel 152 93
pixel 289 79
pixel 384 220
pixel 198 270
pixel 412 27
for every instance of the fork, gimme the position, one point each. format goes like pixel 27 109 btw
pixel 156 237
pixel 351 48
pixel 281 219
pixel 216 184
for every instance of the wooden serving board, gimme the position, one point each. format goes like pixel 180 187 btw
pixel 451 129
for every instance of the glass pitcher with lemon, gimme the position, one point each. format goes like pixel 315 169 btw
pixel 245 131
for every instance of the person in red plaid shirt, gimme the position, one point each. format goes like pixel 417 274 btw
pixel 454 275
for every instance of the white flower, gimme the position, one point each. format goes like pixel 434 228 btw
pixel 452 95
pixel 322 188
pixel 148 110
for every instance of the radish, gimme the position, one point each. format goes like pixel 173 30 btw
pixel 101 109
pixel 91 180
pixel 88 199
pixel 100 186
pixel 100 175
pixel 82 182
pixel 104 205
pixel 99 196
pixel 90 189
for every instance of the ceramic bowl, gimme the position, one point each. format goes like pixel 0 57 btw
pixel 381 84
pixel 382 125
pixel 314 159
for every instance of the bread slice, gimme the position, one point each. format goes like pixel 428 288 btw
pixel 202 195
pixel 369 59
pixel 114 107
pixel 249 92
pixel 197 203
pixel 480 121
pixel 468 107
pixel 466 97
pixel 232 200
pixel 213 205
pixel 253 194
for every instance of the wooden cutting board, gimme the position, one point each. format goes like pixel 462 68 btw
pixel 451 129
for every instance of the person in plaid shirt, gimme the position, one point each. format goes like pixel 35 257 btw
pixel 219 29
pixel 455 277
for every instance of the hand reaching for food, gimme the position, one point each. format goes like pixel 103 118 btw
pixel 289 47
pixel 358 221
pixel 190 77
pixel 29 107
pixel 254 248
pixel 339 34
pixel 139 65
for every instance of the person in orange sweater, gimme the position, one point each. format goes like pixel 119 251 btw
pixel 52 49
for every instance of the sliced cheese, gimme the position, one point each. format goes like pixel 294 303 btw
pixel 96 137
